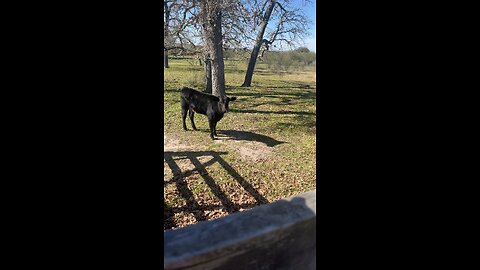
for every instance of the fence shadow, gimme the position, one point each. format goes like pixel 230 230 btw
pixel 179 179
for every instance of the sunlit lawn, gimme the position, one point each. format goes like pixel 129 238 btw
pixel 266 150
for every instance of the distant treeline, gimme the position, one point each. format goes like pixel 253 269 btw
pixel 275 60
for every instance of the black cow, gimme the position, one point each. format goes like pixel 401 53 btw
pixel 213 107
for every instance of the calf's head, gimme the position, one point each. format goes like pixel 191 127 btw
pixel 223 103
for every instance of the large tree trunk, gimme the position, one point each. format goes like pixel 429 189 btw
pixel 258 44
pixel 218 67
pixel 208 76
pixel 212 29
pixel 166 32
pixel 165 59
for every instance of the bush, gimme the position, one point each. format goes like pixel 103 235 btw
pixel 302 50
pixel 297 59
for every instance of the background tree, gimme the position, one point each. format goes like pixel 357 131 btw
pixel 185 32
pixel 166 22
pixel 235 28
pixel 200 27
pixel 180 17
pixel 211 17
pixel 290 26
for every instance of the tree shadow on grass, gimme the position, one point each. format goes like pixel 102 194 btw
pixel 280 96
pixel 273 112
pixel 248 136
pixel 276 91
pixel 283 98
pixel 291 85
pixel 192 206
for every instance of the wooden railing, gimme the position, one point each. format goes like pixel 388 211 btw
pixel 278 235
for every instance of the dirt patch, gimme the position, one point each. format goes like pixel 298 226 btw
pixel 249 151
pixel 172 144
pixel 254 152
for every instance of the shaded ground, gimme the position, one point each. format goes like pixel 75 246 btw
pixel 186 172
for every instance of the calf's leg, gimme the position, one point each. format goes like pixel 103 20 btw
pixel 185 108
pixel 184 116
pixel 212 124
pixel 184 112
pixel 190 114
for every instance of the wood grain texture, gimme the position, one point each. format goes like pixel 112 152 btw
pixel 279 235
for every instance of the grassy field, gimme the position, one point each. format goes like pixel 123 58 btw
pixel 265 150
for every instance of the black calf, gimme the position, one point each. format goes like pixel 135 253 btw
pixel 213 107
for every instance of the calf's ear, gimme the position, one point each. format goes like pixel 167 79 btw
pixel 232 98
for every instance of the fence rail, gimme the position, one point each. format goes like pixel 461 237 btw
pixel 278 235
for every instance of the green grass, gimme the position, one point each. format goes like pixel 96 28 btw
pixel 274 121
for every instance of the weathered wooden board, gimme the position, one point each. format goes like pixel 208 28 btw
pixel 279 235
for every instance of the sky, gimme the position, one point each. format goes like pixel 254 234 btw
pixel 310 10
